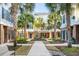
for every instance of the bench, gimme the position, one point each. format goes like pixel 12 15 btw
pixel 4 51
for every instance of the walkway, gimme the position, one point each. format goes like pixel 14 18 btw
pixel 39 49
pixel 62 44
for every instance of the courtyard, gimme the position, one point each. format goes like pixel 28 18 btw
pixel 39 29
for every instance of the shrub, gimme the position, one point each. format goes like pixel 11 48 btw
pixel 43 39
pixel 21 40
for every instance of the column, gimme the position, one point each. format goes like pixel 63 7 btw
pixel 50 35
pixel 74 31
pixel 62 34
pixel 27 34
pixel 2 34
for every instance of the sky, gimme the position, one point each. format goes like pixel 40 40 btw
pixel 41 8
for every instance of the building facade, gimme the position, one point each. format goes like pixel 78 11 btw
pixel 74 22
pixel 6 24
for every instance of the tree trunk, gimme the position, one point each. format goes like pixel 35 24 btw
pixel 68 30
pixel 55 30
pixel 24 32
pixel 15 32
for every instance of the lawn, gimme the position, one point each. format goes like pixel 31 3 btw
pixel 74 51
pixel 53 42
pixel 52 48
pixel 46 42
pixel 54 51
pixel 30 42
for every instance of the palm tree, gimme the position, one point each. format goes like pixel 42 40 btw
pixel 20 24
pixel 13 11
pixel 51 6
pixel 24 19
pixel 50 24
pixel 38 23
pixel 68 9
pixel 29 7
pixel 54 18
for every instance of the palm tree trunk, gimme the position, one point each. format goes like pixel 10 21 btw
pixel 15 30
pixel 14 8
pixel 24 32
pixel 68 30
pixel 55 29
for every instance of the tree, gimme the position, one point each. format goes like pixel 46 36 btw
pixel 13 11
pixel 29 7
pixel 50 24
pixel 68 9
pixel 54 18
pixel 51 6
pixel 38 23
pixel 24 19
pixel 20 24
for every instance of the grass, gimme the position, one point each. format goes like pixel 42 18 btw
pixel 74 51
pixel 45 42
pixel 22 50
pixel 55 42
pixel 30 42
pixel 52 48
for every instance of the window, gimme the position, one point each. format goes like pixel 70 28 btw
pixel 58 34
pixel 30 35
pixel 47 35
pixel 73 17
pixel 63 33
pixel 2 12
pixel 52 34
pixel 6 3
pixel 63 18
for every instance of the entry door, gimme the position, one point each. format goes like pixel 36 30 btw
pixel 77 33
pixel 5 34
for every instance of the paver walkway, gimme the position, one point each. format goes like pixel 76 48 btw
pixel 39 49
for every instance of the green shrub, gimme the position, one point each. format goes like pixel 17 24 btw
pixel 21 40
pixel 43 39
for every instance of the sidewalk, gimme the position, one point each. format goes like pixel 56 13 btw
pixel 39 49
pixel 62 44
